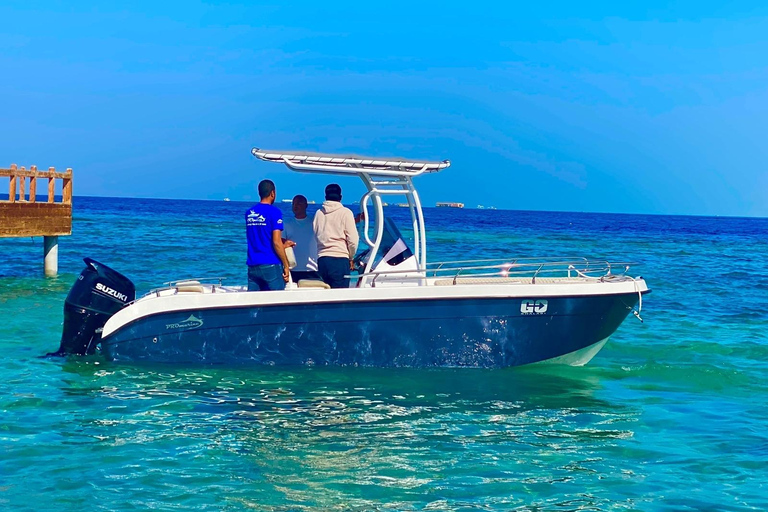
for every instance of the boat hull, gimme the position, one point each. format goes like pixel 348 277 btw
pixel 483 333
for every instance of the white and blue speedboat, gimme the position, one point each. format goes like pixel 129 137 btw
pixel 400 309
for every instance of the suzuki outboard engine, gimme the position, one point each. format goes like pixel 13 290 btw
pixel 98 293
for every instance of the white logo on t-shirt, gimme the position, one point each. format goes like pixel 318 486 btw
pixel 255 218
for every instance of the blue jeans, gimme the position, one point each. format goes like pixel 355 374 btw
pixel 265 278
pixel 332 271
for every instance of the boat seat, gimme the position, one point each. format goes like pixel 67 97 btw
pixel 313 283
pixel 508 280
pixel 189 287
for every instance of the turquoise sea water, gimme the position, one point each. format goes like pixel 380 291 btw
pixel 671 415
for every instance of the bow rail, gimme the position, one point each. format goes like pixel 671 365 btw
pixel 521 269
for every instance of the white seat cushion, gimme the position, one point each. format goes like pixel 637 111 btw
pixel 189 287
pixel 313 283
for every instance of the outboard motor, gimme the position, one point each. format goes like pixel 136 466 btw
pixel 98 293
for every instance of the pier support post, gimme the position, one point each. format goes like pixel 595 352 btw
pixel 24 216
pixel 51 255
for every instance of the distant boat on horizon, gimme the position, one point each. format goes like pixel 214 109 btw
pixel 449 205
pixel 226 199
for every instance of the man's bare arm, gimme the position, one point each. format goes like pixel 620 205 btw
pixel 277 243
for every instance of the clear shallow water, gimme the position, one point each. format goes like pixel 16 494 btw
pixel 671 415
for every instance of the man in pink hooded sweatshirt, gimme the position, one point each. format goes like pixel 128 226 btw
pixel 337 239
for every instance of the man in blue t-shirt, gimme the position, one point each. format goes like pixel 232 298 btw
pixel 267 263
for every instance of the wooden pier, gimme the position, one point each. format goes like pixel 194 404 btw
pixel 22 215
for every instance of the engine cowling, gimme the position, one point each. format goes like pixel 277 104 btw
pixel 98 293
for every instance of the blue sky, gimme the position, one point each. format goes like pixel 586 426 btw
pixel 652 108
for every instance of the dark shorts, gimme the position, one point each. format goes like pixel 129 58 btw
pixel 265 278
pixel 332 271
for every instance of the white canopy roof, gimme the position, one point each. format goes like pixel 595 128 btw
pixel 349 164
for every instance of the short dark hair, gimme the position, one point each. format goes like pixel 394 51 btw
pixel 333 192
pixel 266 187
pixel 300 198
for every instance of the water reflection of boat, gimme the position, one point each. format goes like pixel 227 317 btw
pixel 400 309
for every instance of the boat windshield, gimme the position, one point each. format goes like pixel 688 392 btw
pixel 394 248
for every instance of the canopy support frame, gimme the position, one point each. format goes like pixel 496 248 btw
pixel 381 177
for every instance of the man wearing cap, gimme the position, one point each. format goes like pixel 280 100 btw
pixel 337 239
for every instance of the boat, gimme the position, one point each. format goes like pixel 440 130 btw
pixel 401 310
pixel 286 200
pixel 450 205
pixel 226 199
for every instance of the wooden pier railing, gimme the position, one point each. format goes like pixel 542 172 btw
pixel 19 175
pixel 22 215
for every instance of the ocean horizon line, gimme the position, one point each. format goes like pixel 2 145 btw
pixel 4 197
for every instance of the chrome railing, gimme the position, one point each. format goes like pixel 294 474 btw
pixel 524 268
pixel 171 285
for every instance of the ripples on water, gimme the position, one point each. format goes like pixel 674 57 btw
pixel 671 414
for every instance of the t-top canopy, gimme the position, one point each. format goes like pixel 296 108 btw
pixel 349 164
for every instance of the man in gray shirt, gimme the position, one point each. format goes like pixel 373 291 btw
pixel 299 230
